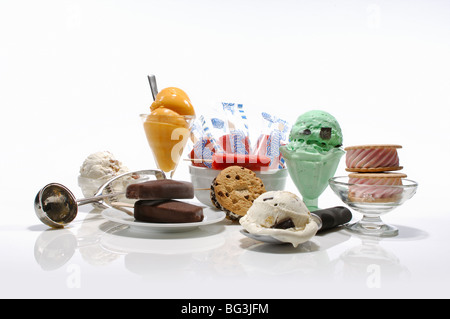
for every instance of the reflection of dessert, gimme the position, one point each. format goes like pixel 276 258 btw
pixel 375 187
pixel 167 126
pixel 234 190
pixel 282 215
pixel 97 169
pixel 372 158
pixel 313 153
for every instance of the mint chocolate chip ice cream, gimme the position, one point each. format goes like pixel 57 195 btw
pixel 313 154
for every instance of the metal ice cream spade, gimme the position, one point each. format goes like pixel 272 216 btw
pixel 56 206
pixel 272 240
pixel 325 219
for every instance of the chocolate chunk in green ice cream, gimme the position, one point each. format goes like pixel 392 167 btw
pixel 315 131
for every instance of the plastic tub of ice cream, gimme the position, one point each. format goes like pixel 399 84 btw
pixel 202 178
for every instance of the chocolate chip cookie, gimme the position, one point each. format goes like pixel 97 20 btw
pixel 234 190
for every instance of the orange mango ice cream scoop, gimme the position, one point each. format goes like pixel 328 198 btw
pixel 175 99
pixel 167 127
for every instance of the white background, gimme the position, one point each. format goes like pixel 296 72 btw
pixel 73 81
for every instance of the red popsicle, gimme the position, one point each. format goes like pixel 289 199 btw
pixel 227 142
pixel 252 162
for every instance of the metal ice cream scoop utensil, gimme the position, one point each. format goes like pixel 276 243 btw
pixel 324 218
pixel 56 206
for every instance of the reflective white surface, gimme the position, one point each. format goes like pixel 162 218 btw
pixel 73 79
pixel 95 257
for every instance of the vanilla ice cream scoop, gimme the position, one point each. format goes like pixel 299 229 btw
pixel 97 169
pixel 102 165
pixel 281 215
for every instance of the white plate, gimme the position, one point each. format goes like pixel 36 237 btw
pixel 211 216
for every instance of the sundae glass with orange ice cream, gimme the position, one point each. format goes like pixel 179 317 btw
pixel 167 127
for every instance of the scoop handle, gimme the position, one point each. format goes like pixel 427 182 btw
pixel 333 216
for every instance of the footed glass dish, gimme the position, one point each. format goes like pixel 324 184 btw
pixel 372 201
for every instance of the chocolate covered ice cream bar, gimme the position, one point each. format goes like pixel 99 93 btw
pixel 170 211
pixel 160 189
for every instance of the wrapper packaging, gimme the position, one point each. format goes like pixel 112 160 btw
pixel 229 132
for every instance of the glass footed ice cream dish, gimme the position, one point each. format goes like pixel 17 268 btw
pixel 167 136
pixel 168 126
pixel 373 201
pixel 313 154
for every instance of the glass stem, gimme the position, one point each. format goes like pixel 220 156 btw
pixel 312 204
pixel 371 222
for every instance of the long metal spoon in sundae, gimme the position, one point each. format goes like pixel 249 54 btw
pixel 153 86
